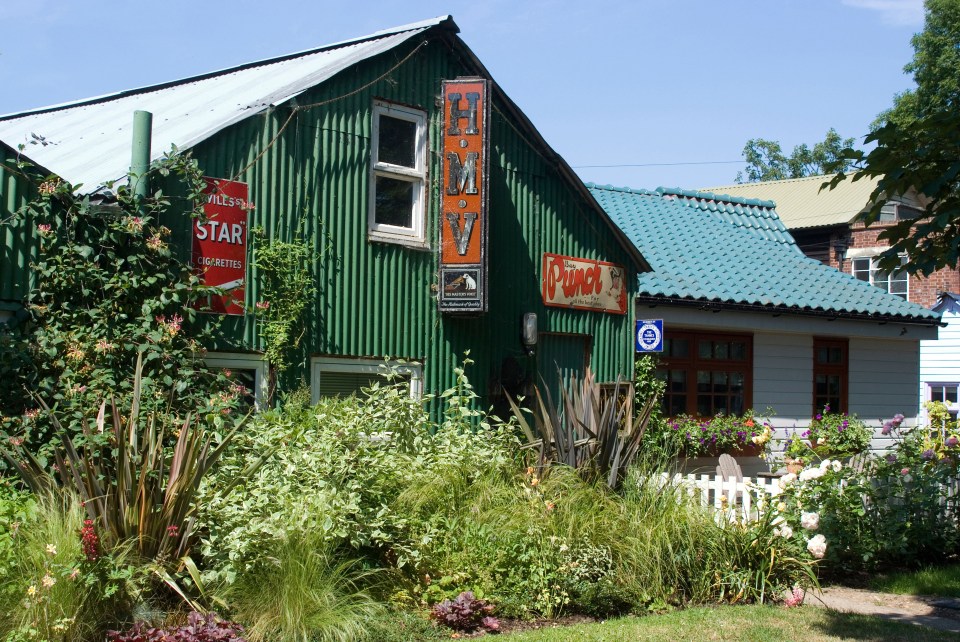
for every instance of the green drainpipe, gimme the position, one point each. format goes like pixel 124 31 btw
pixel 140 158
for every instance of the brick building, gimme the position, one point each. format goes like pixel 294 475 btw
pixel 823 223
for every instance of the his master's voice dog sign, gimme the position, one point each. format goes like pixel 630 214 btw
pixel 649 335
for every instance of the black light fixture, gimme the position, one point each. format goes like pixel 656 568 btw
pixel 528 332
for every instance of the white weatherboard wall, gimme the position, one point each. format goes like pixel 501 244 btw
pixel 940 359
pixel 884 375
pixel 884 369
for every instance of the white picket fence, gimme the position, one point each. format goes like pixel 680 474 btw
pixel 734 498
pixel 737 499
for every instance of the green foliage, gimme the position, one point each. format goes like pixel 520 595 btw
pixel 342 465
pixel 303 589
pixel 50 590
pixel 593 431
pixel 766 160
pixel 719 434
pixel 896 510
pixel 753 561
pixel 286 290
pixel 916 143
pixel 136 490
pixel 943 581
pixel 107 291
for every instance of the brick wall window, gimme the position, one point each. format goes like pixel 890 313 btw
pixel 706 373
pixel 865 268
pixel 830 371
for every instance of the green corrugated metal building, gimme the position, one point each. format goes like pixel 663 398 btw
pixel 308 134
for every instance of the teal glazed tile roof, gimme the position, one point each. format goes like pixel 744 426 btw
pixel 756 216
pixel 710 255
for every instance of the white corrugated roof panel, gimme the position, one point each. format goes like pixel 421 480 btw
pixel 88 142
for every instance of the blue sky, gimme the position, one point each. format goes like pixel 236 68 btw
pixel 676 86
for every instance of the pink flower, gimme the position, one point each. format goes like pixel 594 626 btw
pixel 263 305
pixel 44 229
pixel 795 598
pixel 905 471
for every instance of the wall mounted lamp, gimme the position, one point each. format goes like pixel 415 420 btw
pixel 528 332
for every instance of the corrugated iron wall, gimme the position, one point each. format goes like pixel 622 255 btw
pixel 18 248
pixel 376 299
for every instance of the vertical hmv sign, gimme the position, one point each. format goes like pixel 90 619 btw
pixel 464 203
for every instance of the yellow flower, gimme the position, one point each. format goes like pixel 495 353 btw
pixel 32 590
pixel 51 549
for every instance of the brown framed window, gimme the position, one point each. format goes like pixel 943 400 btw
pixel 706 373
pixel 830 372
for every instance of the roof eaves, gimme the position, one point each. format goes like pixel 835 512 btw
pixel 717 304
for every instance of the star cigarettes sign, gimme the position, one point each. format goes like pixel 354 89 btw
pixel 463 207
pixel 220 244
pixel 583 284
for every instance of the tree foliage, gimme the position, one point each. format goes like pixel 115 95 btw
pixel 766 160
pixel 917 145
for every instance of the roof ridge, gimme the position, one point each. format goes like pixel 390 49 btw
pixel 775 182
pixel 444 21
pixel 626 190
pixel 713 196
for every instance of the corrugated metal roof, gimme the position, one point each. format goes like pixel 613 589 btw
pixel 88 141
pixel 800 202
pixel 698 256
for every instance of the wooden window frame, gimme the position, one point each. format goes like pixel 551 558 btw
pixel 842 370
pixel 415 234
pixel 693 363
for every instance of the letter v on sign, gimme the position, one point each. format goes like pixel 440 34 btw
pixel 461 237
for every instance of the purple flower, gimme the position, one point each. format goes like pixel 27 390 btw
pixel 891 459
pixel 952 441
pixel 819 417
pixel 898 419
pixel 805 433
pixel 928 454
pixel 887 428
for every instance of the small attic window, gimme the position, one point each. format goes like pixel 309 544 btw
pixel 398 172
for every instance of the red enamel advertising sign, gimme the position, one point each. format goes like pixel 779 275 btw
pixel 220 244
pixel 464 197
pixel 584 284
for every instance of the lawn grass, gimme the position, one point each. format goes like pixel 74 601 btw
pixel 935 580
pixel 754 623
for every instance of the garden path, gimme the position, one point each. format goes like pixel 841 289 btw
pixel 934 612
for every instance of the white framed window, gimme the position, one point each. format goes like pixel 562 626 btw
pixel 948 393
pixel 398 175
pixel 248 370
pixel 341 377
pixel 866 269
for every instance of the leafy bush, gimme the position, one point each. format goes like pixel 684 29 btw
pixel 107 290
pixel 897 509
pixel 199 628
pixel 465 613
pixel 339 472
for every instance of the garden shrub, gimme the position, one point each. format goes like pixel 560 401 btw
pixel 342 465
pixel 897 510
pixel 108 289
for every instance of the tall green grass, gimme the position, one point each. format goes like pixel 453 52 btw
pixel 48 589
pixel 304 591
